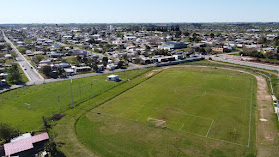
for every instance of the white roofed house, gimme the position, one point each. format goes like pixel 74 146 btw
pixel 67 37
pixel 81 69
pixel 129 38
pixel 20 44
pixel 69 71
pixel 114 78
pixel 172 45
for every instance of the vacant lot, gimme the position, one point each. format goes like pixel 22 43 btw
pixel 206 112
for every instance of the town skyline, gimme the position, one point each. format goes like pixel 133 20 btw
pixel 124 11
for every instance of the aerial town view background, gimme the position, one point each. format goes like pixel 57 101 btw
pixel 135 83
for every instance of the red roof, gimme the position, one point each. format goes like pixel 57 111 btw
pixel 24 144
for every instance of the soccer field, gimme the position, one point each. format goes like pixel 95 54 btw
pixel 194 111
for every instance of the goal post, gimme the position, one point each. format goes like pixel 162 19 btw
pixel 156 122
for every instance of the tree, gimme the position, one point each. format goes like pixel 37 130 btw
pixel 22 50
pixel 51 148
pixel 202 51
pixel 14 55
pixel 8 45
pixel 38 58
pixel 46 70
pixel 138 52
pixel 125 57
pixel 251 52
pixel 14 75
pixel 91 41
pixel 147 47
pixel 46 125
pixel 276 41
pixel 7 131
pixel 78 58
pixel 96 50
pixel 270 55
pixel 212 35
pixel 208 49
pixel 186 33
pixel 262 40
pixel 105 61
pixel 120 64
pixel 73 60
pixel 95 67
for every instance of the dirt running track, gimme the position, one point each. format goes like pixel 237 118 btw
pixel 267 132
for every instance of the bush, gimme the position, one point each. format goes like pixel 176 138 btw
pixel 7 131
pixel 57 117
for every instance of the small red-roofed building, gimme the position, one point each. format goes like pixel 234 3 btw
pixel 26 145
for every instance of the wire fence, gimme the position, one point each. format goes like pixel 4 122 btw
pixel 50 98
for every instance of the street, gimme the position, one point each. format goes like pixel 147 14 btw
pixel 28 69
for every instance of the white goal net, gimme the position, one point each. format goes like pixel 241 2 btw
pixel 156 122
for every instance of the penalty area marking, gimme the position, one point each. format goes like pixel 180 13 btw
pixel 209 128
pixel 176 130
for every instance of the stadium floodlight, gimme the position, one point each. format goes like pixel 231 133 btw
pixel 156 122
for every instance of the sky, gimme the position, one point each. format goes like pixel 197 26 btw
pixel 137 11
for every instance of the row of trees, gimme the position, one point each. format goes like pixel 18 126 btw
pixel 253 52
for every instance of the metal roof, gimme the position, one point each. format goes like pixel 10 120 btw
pixel 24 144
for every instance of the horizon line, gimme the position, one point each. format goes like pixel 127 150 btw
pixel 129 23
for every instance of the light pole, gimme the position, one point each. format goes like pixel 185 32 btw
pixel 79 92
pixel 92 90
pixel 59 105
pixel 72 93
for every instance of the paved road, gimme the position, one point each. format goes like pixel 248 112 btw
pixel 28 69
pixel 236 60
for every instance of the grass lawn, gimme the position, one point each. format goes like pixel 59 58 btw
pixel 206 110
pixel 25 107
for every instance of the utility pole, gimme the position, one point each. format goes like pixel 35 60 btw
pixel 59 105
pixel 79 92
pixel 72 93
pixel 92 90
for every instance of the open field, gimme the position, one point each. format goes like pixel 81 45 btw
pixel 208 112
pixel 25 107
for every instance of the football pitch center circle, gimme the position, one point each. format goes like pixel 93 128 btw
pixel 190 90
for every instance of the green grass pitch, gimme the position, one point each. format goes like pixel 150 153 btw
pixel 25 107
pixel 208 112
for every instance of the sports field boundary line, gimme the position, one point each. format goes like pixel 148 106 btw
pixel 230 96
pixel 181 127
pixel 252 90
pixel 175 130
pixel 209 128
